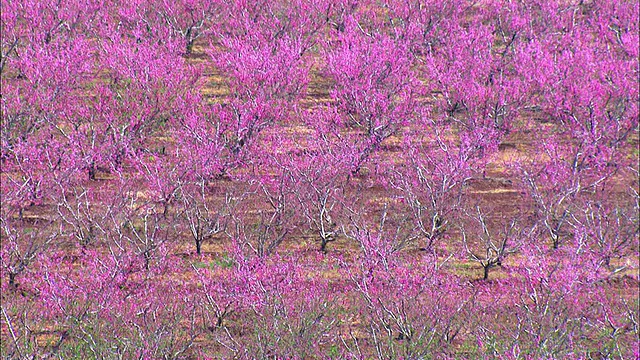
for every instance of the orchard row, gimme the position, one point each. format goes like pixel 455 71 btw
pixel 319 179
